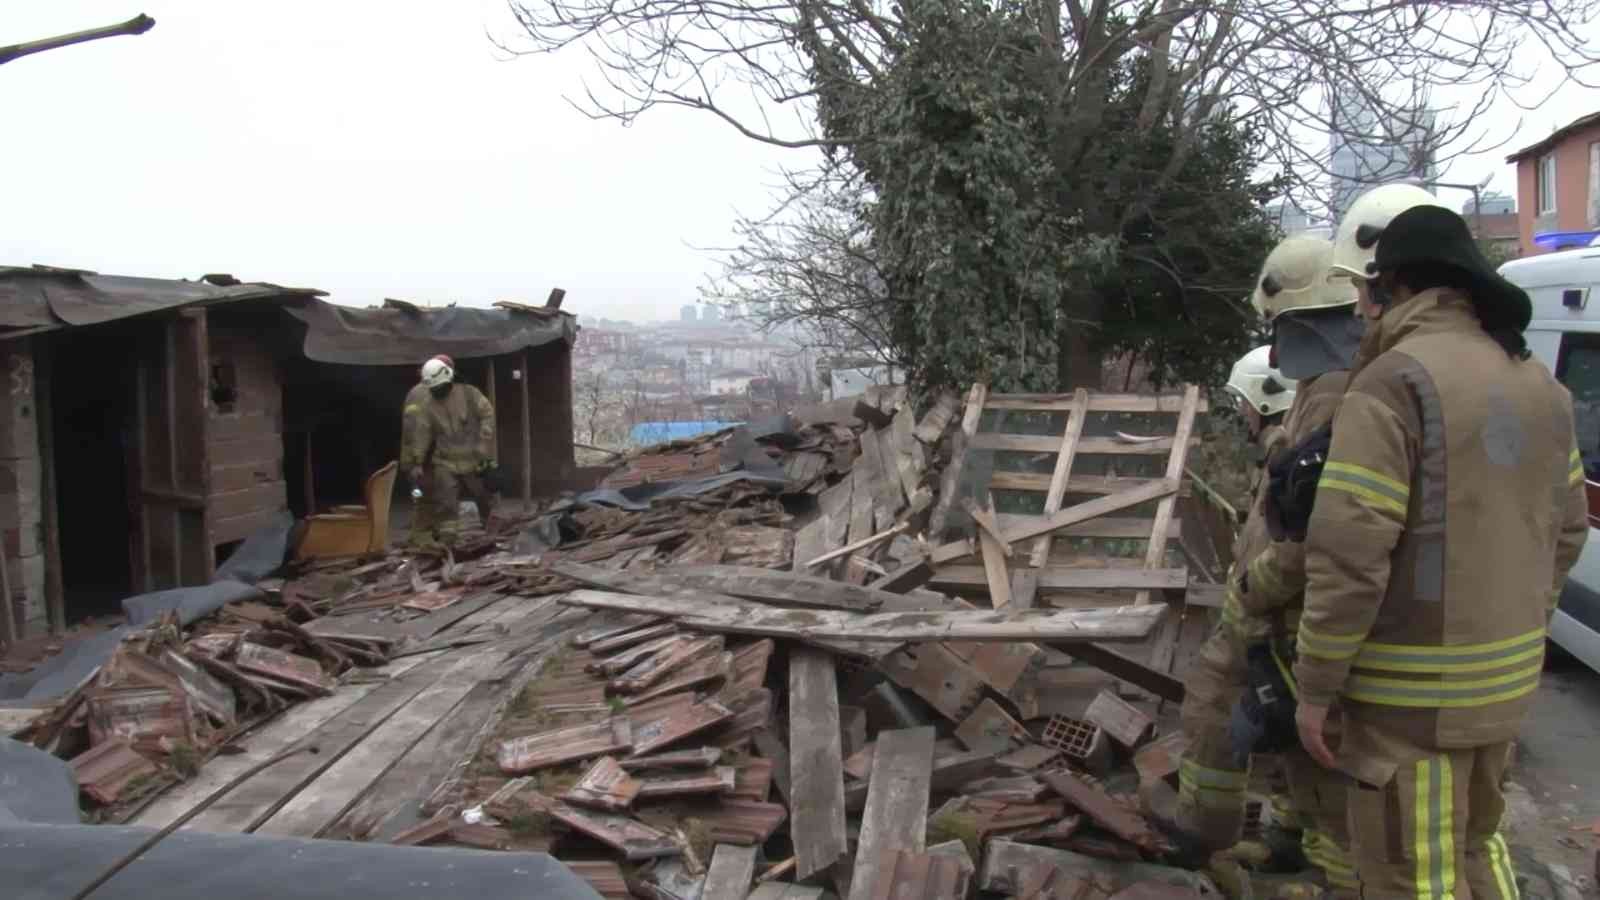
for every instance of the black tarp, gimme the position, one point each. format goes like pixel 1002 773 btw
pixel 53 862
pixel 395 336
pixel 49 297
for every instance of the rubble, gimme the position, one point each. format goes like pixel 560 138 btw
pixel 696 714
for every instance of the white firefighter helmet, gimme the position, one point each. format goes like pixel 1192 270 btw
pixel 1294 277
pixel 1357 241
pixel 1256 382
pixel 438 372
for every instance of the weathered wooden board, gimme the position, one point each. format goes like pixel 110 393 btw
pixel 650 672
pixel 1067 578
pixel 732 869
pixel 897 804
pixel 901 873
pixel 771 587
pixel 815 763
pixel 937 675
pixel 949 487
pixel 247 805
pixel 1004 861
pixel 631 638
pixel 990 729
pixel 1111 624
pixel 1081 512
pixel 336 790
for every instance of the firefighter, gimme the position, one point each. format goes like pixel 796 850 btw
pixel 1314 336
pixel 1448 511
pixel 447 446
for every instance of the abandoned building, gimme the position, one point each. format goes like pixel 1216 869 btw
pixel 149 425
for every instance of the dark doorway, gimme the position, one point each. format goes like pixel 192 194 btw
pixel 92 415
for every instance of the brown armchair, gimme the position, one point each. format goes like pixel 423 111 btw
pixel 351 530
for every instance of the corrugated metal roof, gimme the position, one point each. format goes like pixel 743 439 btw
pixel 1555 136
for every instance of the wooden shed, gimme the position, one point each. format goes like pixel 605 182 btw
pixel 149 425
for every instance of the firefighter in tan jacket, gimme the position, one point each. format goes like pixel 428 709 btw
pixel 1315 337
pixel 1448 511
pixel 447 446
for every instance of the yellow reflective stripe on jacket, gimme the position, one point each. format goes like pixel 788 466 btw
pixel 1326 854
pixel 1577 469
pixel 1443 694
pixel 1451 659
pixel 1264 575
pixel 1435 845
pixel 1376 489
pixel 1194 778
pixel 1336 647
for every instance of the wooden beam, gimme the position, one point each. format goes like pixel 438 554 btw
pixel 1044 443
pixel 1066 452
pixel 862 544
pixel 1083 512
pixel 50 512
pixel 527 430
pixel 994 553
pixel 1156 549
pixel 1068 578
pixel 732 870
pixel 1098 402
pixel 976 399
pixel 1130 670
pixel 816 772
pixel 1129 623
pixel 897 804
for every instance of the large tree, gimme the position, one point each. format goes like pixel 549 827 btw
pixel 1118 107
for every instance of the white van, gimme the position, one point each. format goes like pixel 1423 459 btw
pixel 1565 334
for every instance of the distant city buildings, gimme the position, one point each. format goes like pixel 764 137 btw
pixel 1366 149
pixel 687 313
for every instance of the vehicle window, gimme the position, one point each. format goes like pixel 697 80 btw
pixel 1578 367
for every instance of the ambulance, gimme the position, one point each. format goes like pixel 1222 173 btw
pixel 1565 334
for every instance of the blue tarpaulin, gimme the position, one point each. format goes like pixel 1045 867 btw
pixel 646 433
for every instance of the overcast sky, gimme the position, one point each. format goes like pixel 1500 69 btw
pixel 380 149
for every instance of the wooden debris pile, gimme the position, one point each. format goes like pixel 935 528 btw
pixel 166 702
pixel 838 729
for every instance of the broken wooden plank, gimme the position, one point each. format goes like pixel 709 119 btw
pixel 703 671
pixel 732 870
pixel 1083 512
pixel 1098 402
pixel 1055 626
pixel 937 675
pixel 997 575
pixel 784 891
pixel 1132 671
pixel 630 638
pixel 938 418
pixel 314 809
pixel 618 663
pixel 901 446
pixel 516 756
pixel 1066 578
pixel 1066 453
pixel 700 583
pixel 589 636
pixel 949 486
pixel 991 729
pixel 815 764
pixel 951 770
pixel 772 748
pixel 1099 446
pixel 897 804
pixel 770 587
pixel 1120 720
pixel 1106 812
pixel 605 786
pixel 863 544
pixel 1156 550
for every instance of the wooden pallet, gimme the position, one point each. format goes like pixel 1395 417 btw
pixel 1005 443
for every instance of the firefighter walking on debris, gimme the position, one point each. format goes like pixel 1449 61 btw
pixel 447 446
pixel 1315 337
pixel 1448 511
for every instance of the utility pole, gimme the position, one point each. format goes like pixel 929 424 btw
pixel 137 25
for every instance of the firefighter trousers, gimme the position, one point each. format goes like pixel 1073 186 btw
pixel 1319 798
pixel 1433 831
pixel 1212 777
pixel 437 516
